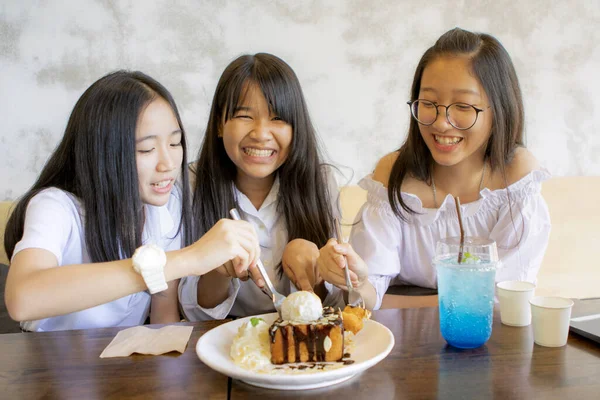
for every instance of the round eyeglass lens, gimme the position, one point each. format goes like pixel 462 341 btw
pixel 424 112
pixel 461 115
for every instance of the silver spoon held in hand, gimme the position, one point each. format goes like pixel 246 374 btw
pixel 277 297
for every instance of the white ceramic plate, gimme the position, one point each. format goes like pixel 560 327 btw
pixel 372 344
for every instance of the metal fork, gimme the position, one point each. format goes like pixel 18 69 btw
pixel 277 297
pixel 354 298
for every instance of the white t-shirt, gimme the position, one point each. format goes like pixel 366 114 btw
pixel 245 298
pixel 399 252
pixel 54 222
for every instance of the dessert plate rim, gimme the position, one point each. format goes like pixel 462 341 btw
pixel 213 347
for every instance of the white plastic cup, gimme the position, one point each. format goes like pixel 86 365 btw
pixel 550 317
pixel 514 299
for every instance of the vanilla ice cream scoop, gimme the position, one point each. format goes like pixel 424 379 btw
pixel 303 307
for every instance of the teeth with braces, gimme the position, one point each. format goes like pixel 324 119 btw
pixel 447 140
pixel 258 153
pixel 162 184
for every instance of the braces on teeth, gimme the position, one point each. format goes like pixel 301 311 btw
pixel 445 140
pixel 258 153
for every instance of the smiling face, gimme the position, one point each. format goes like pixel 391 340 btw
pixel 159 153
pixel 448 80
pixel 255 139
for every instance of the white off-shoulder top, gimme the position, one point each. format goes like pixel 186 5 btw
pixel 399 252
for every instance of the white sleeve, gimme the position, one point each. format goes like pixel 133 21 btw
pixel 521 234
pixel 376 238
pixel 188 298
pixel 48 223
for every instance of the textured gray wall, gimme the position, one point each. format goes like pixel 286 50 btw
pixel 355 60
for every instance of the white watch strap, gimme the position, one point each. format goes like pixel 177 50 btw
pixel 155 280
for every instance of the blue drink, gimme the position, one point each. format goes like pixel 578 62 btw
pixel 466 298
pixel 466 290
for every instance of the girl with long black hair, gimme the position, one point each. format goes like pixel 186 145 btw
pixel 260 154
pixel 89 238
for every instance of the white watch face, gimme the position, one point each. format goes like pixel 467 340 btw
pixel 149 258
pixel 149 261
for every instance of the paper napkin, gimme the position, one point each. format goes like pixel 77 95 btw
pixel 143 340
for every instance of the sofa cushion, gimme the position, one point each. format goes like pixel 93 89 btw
pixel 5 209
pixel 571 266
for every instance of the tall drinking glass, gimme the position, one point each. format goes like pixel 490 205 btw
pixel 466 290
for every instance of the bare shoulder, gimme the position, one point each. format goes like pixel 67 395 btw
pixel 522 164
pixel 384 167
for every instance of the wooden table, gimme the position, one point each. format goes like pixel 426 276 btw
pixel 66 365
pixel 510 366
pixel 422 366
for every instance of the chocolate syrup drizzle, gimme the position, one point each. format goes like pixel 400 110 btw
pixel 314 340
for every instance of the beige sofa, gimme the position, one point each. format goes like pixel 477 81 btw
pixel 5 208
pixel 571 266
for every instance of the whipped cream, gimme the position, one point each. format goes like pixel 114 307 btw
pixel 251 346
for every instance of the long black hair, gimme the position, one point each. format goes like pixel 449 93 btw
pixel 492 66
pixel 303 195
pixel 96 162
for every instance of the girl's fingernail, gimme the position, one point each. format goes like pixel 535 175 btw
pixel 338 248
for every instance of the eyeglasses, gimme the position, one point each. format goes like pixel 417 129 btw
pixel 462 116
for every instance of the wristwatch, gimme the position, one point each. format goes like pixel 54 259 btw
pixel 149 261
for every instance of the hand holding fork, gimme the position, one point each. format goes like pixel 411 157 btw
pixel 354 297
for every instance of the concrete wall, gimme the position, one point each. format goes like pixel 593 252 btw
pixel 355 60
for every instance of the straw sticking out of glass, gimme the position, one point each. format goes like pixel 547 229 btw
pixel 462 231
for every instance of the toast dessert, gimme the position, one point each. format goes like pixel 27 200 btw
pixel 318 341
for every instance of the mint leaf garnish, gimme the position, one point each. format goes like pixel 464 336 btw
pixel 254 320
pixel 469 258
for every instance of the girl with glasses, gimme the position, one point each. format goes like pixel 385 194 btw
pixel 466 140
